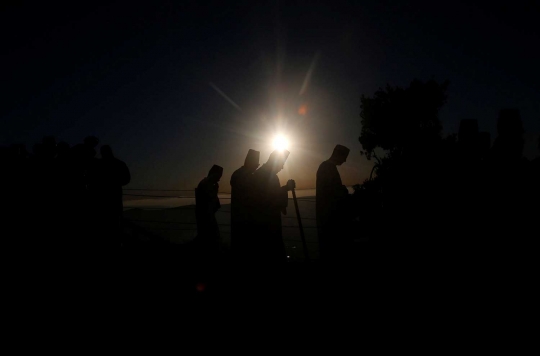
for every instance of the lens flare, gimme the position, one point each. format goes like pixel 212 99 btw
pixel 280 143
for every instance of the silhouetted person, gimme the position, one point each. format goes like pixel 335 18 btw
pixel 90 160
pixel 467 194
pixel 107 177
pixel 268 201
pixel 536 170
pixel 63 192
pixel 42 191
pixel 207 203
pixel 240 211
pixel 468 136
pixel 507 176
pixel 18 182
pixel 508 146
pixel 332 208
pixel 484 141
pixel 62 150
pixel 532 200
pixel 49 147
pixel 91 142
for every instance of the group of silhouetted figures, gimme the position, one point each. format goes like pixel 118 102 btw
pixel 62 199
pixel 258 201
pixel 460 196
pixel 465 193
pixel 494 189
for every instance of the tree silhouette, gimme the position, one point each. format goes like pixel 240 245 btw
pixel 402 122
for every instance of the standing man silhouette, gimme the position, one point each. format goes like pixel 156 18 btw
pixel 268 202
pixel 240 210
pixel 331 207
pixel 206 205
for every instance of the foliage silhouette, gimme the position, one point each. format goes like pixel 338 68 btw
pixel 402 121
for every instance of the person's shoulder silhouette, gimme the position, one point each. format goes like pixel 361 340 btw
pixel 116 170
pixel 206 205
pixel 251 163
pixel 509 143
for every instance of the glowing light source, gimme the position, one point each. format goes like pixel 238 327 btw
pixel 280 143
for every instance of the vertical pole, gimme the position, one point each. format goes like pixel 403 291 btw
pixel 306 254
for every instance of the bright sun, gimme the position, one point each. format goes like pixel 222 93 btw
pixel 280 143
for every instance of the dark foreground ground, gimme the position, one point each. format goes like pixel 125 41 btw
pixel 383 276
pixel 377 272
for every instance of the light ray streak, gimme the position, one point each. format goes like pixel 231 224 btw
pixel 220 92
pixel 307 79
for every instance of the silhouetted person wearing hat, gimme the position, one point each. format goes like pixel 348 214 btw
pixel 331 207
pixel 268 201
pixel 240 211
pixel 106 179
pixel 207 203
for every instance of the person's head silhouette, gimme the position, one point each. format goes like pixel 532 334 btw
pixel 91 141
pixel 468 131
pixel 215 173
pixel 252 160
pixel 49 146
pixel 340 154
pixel 509 123
pixel 106 152
pixel 63 149
pixel 509 141
pixel 38 150
pixel 277 159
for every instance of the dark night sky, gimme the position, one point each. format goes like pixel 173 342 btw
pixel 137 76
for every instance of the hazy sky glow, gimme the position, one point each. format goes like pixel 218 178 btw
pixel 177 87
